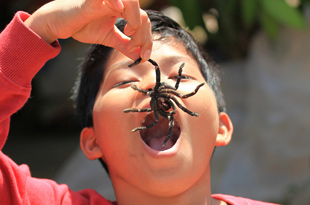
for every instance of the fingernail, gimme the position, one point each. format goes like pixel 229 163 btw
pixel 146 55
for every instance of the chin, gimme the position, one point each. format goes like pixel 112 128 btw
pixel 172 184
pixel 171 172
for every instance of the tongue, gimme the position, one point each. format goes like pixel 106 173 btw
pixel 157 143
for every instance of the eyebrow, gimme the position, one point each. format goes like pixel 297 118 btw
pixel 170 60
pixel 176 59
pixel 121 64
pixel 117 66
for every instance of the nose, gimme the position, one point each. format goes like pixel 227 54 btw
pixel 150 79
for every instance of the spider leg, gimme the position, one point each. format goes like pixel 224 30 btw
pixel 179 76
pixel 158 83
pixel 139 61
pixel 171 125
pixel 135 63
pixel 174 99
pixel 168 90
pixel 139 89
pixel 150 125
pixel 174 110
pixel 194 92
pixel 137 110
pixel 156 69
pixel 174 92
pixel 153 63
pixel 165 86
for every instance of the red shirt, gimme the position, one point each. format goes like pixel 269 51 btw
pixel 22 54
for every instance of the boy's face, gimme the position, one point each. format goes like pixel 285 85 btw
pixel 132 161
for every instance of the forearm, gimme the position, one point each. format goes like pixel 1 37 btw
pixel 22 54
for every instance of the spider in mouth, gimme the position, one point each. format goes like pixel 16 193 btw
pixel 163 100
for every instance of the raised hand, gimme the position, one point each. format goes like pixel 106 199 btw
pixel 92 21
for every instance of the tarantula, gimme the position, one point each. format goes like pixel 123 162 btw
pixel 163 98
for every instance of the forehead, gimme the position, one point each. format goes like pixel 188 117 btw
pixel 168 51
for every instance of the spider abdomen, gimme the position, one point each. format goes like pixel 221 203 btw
pixel 163 104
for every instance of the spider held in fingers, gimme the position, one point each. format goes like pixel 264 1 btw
pixel 163 100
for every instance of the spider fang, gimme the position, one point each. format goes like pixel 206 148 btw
pixel 163 100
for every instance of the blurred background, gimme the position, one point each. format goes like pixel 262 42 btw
pixel 262 48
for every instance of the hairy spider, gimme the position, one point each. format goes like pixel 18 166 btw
pixel 163 98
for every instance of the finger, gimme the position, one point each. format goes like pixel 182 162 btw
pixel 139 34
pixel 142 38
pixel 146 48
pixel 132 15
pixel 115 4
pixel 120 41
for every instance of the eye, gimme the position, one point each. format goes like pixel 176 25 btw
pixel 182 77
pixel 122 83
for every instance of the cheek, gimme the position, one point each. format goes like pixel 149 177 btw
pixel 106 111
pixel 112 126
pixel 204 103
pixel 113 132
pixel 204 128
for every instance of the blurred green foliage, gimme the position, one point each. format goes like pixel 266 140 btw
pixel 278 12
pixel 239 20
pixel 192 11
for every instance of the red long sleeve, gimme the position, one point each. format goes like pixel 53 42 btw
pixel 22 54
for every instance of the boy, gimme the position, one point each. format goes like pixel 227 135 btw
pixel 141 170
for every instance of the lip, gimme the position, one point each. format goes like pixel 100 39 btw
pixel 165 153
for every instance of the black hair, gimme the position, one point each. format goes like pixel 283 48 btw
pixel 92 68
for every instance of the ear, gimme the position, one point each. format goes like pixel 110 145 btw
pixel 225 130
pixel 89 144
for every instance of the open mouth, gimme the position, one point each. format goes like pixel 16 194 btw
pixel 155 136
